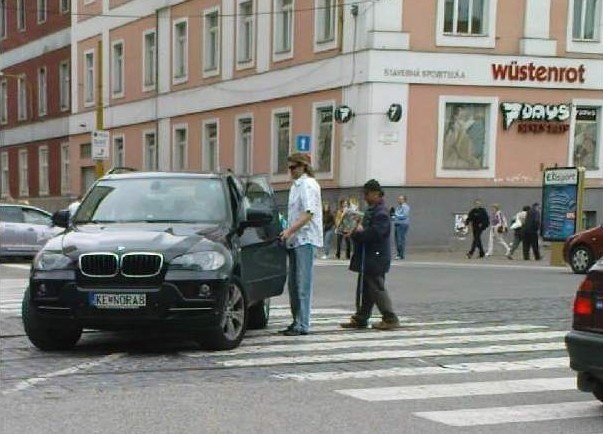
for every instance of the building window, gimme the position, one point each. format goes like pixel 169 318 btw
pixel 325 19
pixel 64 88
pixel 117 69
pixel 210 147
pixel 22 98
pixel 283 25
pixel 466 23
pixel 3 102
pixel 65 170
pixel 323 138
pixel 3 18
pixel 211 48
pixel 151 161
pixel 43 170
pixel 89 90
pixel 21 20
pixel 586 146
pixel 281 139
pixel 244 150
pixel 65 6
pixel 466 137
pixel 586 20
pixel 42 92
pixel 180 60
pixel 246 32
pixel 85 151
pixel 23 174
pixel 150 59
pixel 118 151
pixel 42 8
pixel 180 149
pixel 4 178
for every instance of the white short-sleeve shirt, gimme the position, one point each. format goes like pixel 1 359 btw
pixel 304 196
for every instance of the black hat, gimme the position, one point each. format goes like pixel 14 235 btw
pixel 373 185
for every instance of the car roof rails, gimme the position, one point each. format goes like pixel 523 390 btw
pixel 118 169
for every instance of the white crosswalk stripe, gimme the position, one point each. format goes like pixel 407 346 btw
pixel 11 295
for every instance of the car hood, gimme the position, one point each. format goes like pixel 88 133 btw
pixel 170 240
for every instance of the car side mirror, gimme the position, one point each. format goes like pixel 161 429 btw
pixel 257 217
pixel 61 218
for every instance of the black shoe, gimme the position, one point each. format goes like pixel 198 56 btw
pixel 288 329
pixel 295 332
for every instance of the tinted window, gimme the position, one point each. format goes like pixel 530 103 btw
pixel 36 217
pixel 155 200
pixel 11 214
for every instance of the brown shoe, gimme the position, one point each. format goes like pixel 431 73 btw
pixel 386 325
pixel 353 324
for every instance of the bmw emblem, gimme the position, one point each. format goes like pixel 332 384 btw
pixel 121 248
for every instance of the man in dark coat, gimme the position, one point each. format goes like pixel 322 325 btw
pixel 479 221
pixel 371 259
pixel 530 233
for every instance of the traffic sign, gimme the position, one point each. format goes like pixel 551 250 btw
pixel 100 145
pixel 343 114
pixel 302 143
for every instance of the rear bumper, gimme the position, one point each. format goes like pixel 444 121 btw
pixel 585 351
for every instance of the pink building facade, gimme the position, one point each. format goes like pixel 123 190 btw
pixel 491 92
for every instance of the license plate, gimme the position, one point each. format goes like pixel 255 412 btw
pixel 118 301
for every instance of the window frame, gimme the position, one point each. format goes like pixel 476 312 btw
pixel 118 154
pixel 242 22
pixel 64 6
pixel 22 98
pixel 487 40
pixel 239 166
pixel 315 131
pixel 4 175
pixel 23 173
pixel 3 19
pixel 41 11
pixel 205 139
pixel 179 79
pixel 65 169
pixel 89 80
pixel 280 53
pixel 207 47
pixel 275 175
pixel 43 170
pixel 64 86
pixel 594 46
pixel 319 28
pixel 176 147
pixel 148 86
pixel 42 91
pixel 3 101
pixel 598 105
pixel 145 158
pixel 488 172
pixel 21 17
pixel 118 92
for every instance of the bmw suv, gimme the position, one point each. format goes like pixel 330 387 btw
pixel 196 253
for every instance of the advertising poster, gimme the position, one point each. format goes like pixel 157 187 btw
pixel 460 228
pixel 559 203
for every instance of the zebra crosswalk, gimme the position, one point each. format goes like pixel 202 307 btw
pixel 11 296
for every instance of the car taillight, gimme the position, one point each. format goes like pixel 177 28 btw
pixel 584 304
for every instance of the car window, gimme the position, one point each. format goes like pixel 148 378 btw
pixel 258 193
pixel 11 214
pixel 36 217
pixel 154 200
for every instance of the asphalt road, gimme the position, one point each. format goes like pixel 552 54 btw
pixel 480 350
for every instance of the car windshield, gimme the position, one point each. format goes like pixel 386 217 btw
pixel 154 200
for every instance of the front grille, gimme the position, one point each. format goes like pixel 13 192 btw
pixel 99 264
pixel 141 264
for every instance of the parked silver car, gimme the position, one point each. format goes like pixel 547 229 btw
pixel 24 230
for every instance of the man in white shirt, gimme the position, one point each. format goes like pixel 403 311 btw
pixel 302 236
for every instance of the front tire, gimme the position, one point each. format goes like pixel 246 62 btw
pixel 233 322
pixel 598 390
pixel 581 259
pixel 259 314
pixel 58 337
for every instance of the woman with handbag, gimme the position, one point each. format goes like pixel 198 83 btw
pixel 517 227
pixel 498 229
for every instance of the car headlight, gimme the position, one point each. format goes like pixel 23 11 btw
pixel 199 261
pixel 51 261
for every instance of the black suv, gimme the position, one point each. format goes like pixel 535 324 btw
pixel 585 341
pixel 192 252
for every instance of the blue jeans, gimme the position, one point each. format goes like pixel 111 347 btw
pixel 401 230
pixel 301 282
pixel 327 241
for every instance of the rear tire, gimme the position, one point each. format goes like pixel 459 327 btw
pixel 259 314
pixel 598 390
pixel 233 323
pixel 581 259
pixel 60 336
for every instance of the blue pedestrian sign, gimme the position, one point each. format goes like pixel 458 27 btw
pixel 302 143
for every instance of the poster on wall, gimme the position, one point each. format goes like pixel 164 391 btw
pixel 465 137
pixel 460 229
pixel 559 203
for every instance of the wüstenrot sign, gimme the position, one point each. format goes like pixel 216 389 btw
pixel 514 71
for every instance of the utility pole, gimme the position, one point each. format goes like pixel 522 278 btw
pixel 100 170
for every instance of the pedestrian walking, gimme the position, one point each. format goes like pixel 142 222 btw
pixel 517 228
pixel 498 230
pixel 530 233
pixel 479 221
pixel 339 229
pixel 371 260
pixel 401 219
pixel 302 235
pixel 328 229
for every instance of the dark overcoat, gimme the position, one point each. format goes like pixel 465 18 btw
pixel 373 242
